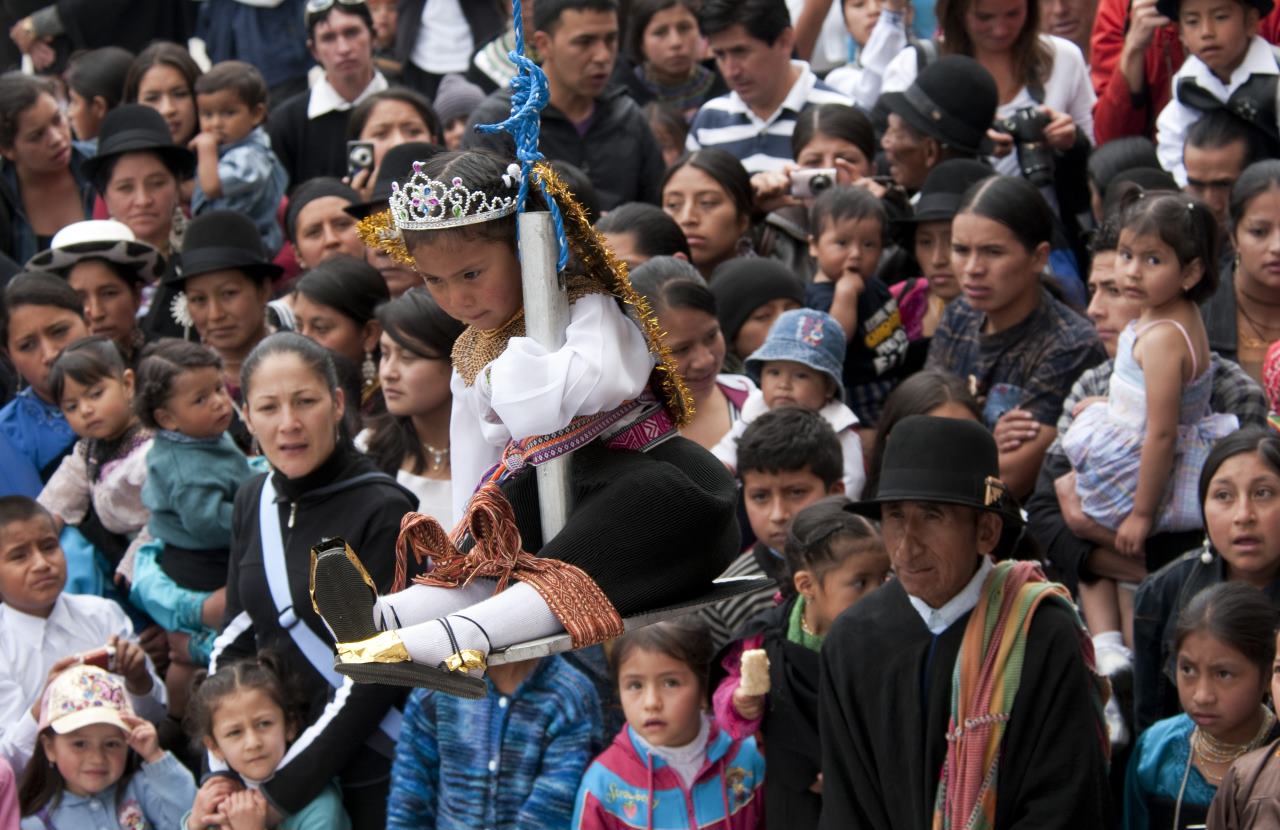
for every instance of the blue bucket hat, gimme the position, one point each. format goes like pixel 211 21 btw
pixel 806 336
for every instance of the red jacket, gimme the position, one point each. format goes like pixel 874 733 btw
pixel 1118 113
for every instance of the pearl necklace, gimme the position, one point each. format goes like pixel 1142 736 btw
pixel 438 458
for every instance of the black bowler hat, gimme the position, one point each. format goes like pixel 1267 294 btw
pixel 223 240
pixel 943 460
pixel 945 186
pixel 953 100
pixel 397 166
pixel 135 128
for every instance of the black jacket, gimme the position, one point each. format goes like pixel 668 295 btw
pixel 618 152
pixel 342 737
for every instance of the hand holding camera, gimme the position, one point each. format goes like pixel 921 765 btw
pixel 1037 132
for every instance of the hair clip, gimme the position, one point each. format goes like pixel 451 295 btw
pixel 513 177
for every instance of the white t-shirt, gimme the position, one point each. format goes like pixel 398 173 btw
pixel 444 41
pixel 1067 89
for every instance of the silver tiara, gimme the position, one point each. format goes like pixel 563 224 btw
pixel 424 204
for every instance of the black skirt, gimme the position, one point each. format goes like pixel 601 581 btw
pixel 651 528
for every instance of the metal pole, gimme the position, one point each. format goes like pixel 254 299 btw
pixel 546 315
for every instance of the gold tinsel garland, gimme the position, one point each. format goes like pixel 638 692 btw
pixel 588 246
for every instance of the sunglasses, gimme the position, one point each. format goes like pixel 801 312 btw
pixel 315 7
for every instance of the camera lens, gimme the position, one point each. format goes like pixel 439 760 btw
pixel 820 183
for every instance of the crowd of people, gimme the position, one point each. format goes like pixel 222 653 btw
pixel 946 330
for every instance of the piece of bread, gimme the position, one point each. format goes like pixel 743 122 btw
pixel 755 672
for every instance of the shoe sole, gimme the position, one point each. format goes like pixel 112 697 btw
pixel 417 676
pixel 341 596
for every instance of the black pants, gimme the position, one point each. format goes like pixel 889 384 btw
pixel 367 804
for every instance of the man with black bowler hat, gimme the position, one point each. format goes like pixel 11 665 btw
pixel 944 114
pixel 898 753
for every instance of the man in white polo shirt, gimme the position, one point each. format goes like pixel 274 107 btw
pixel 752 41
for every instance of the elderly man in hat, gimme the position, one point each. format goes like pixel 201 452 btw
pixel 962 693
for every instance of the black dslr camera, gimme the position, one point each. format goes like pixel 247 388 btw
pixel 1035 157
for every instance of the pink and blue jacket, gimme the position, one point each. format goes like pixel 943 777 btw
pixel 628 787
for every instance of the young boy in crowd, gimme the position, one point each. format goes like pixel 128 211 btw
pixel 235 166
pixel 43 631
pixel 1230 67
pixel 788 459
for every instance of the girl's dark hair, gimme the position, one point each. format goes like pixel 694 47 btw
pixel 1256 179
pixel 479 170
pixel 18 93
pixel 1118 155
pixel 243 79
pixel 666 120
pixel 1183 223
pixel 838 121
pixel 667 282
pixel 162 363
pixel 656 234
pixel 360 115
pixel 86 361
pixel 1032 57
pixel 1258 440
pixel 1013 202
pixel 836 204
pixel 100 73
pixel 919 394
pixel 314 356
pixel 162 52
pixel 36 288
pixel 266 673
pixel 809 539
pixel 1237 614
pixel 638 17
pixel 725 169
pixel 350 286
pixel 416 323
pixel 42 784
pixel 686 639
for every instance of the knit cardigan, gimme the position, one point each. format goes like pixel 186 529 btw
pixel 501 762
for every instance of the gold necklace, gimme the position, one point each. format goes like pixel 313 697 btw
pixel 1261 341
pixel 1210 750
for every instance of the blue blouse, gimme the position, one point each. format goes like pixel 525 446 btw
pixel 33 434
pixel 1156 769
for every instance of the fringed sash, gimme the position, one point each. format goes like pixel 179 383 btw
pixel 987 675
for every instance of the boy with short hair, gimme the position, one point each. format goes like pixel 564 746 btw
pixel 42 630
pixel 788 459
pixel 1230 67
pixel 235 166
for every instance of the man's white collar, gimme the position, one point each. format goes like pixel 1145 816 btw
pixel 325 99
pixel 938 620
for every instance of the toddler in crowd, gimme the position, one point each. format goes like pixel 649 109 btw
pixel 834 559
pixel 848 227
pixel 236 168
pixel 43 630
pixel 106 469
pixel 787 460
pixel 1229 68
pixel 97 761
pixel 542 722
pixel 671 766
pixel 800 364
pixel 246 715
pixel 1225 644
pixel 193 471
pixel 1137 459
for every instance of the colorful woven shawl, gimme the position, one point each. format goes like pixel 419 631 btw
pixel 987 675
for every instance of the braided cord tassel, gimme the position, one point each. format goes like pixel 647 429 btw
pixel 529 96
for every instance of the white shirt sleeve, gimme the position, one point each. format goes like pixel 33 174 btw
pixel 1069 89
pixel 888 40
pixel 900 73
pixel 154 705
pixel 17 727
pixel 855 474
pixel 1172 126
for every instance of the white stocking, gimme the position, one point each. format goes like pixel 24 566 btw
pixel 420 603
pixel 516 615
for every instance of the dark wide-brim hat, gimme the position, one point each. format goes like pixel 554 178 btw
pixel 137 128
pixel 104 239
pixel 223 240
pixel 953 101
pixel 397 166
pixel 1169 8
pixel 944 461
pixel 944 188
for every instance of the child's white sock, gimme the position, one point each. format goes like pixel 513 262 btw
pixel 420 603
pixel 1111 653
pixel 516 615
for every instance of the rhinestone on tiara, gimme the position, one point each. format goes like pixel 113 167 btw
pixel 424 204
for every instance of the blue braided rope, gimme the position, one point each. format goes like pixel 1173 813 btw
pixel 529 96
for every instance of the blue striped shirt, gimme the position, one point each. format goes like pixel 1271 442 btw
pixel 759 143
